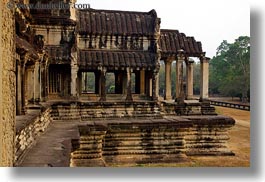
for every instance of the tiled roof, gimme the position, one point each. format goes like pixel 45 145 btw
pixel 171 41
pixel 108 22
pixel 115 59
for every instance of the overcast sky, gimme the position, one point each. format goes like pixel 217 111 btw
pixel 209 21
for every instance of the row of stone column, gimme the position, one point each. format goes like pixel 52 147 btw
pixel 31 82
pixel 180 92
pixel 147 84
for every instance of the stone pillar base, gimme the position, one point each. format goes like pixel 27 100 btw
pixel 204 101
pixel 168 98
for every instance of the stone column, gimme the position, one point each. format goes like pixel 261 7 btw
pixel 155 86
pixel 204 84
pixel 179 76
pixel 129 85
pixel 189 73
pixel 19 89
pixel 29 84
pixel 23 82
pixel 103 84
pixel 74 71
pixel 142 82
pixel 46 80
pixel 43 80
pixel 36 82
pixel 168 95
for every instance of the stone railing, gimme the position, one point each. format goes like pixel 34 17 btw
pixel 230 105
pixel 28 128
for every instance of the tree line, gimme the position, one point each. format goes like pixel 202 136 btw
pixel 230 69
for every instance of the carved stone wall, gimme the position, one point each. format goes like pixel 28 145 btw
pixel 7 85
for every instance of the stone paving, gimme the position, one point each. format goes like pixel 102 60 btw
pixel 53 148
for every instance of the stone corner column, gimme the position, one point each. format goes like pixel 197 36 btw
pixel 168 94
pixel 142 82
pixel 129 85
pixel 179 77
pixel 44 79
pixel 189 73
pixel 37 82
pixel 103 72
pixel 204 83
pixel 74 71
pixel 155 86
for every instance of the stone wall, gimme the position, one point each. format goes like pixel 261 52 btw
pixel 28 132
pixel 7 85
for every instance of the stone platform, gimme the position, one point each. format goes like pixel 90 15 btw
pixel 113 133
pixel 168 140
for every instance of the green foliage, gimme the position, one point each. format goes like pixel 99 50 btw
pixel 88 82
pixel 110 83
pixel 196 78
pixel 230 69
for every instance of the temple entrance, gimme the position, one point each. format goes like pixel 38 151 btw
pixel 59 81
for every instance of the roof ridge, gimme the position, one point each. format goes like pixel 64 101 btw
pixel 169 30
pixel 116 11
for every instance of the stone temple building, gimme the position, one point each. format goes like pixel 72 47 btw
pixel 68 45
pixel 48 56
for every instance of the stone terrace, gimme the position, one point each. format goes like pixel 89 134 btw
pixel 42 141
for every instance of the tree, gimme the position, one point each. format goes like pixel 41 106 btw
pixel 196 78
pixel 230 69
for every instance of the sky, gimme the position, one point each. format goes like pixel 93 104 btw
pixel 209 21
